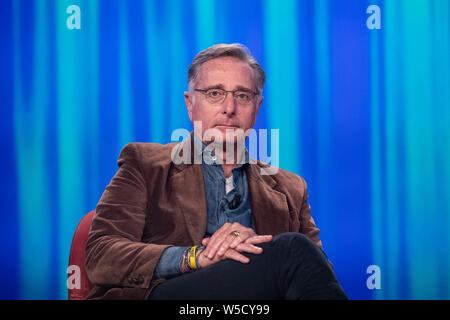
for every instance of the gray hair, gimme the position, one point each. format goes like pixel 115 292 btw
pixel 235 50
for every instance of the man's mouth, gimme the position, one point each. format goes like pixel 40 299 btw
pixel 227 126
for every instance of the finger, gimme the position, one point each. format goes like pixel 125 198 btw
pixel 234 255
pixel 211 240
pixel 216 240
pixel 249 248
pixel 231 241
pixel 243 236
pixel 225 245
pixel 205 241
pixel 259 239
pixel 221 240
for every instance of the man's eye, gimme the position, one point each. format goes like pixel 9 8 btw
pixel 214 93
pixel 242 95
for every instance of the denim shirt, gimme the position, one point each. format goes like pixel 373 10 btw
pixel 217 205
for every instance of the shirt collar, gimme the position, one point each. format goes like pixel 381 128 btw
pixel 208 156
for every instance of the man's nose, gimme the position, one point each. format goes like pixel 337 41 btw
pixel 229 104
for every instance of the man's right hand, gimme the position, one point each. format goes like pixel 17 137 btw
pixel 235 254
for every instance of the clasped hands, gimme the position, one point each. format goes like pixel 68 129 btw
pixel 228 242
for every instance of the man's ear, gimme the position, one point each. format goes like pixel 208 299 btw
pixel 189 105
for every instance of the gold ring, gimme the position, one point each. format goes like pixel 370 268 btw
pixel 234 233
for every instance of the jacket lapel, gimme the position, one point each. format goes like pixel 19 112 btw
pixel 189 189
pixel 269 206
pixel 188 186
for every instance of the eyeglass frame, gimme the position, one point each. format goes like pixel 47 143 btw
pixel 226 93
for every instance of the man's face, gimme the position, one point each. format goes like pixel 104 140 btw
pixel 226 73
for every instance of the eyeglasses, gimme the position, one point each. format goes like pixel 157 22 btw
pixel 217 96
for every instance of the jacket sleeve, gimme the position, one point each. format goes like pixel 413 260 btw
pixel 169 264
pixel 115 255
pixel 307 224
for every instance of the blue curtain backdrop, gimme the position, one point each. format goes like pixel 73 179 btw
pixel 363 114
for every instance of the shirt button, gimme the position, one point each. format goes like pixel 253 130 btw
pixel 214 158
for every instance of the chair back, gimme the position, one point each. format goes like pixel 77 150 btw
pixel 78 282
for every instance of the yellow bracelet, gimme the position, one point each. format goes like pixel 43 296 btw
pixel 192 262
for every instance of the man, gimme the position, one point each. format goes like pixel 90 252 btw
pixel 218 228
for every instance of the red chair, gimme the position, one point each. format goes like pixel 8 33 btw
pixel 78 282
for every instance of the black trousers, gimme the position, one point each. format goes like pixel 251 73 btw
pixel 290 267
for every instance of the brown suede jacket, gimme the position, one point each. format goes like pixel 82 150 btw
pixel 153 203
